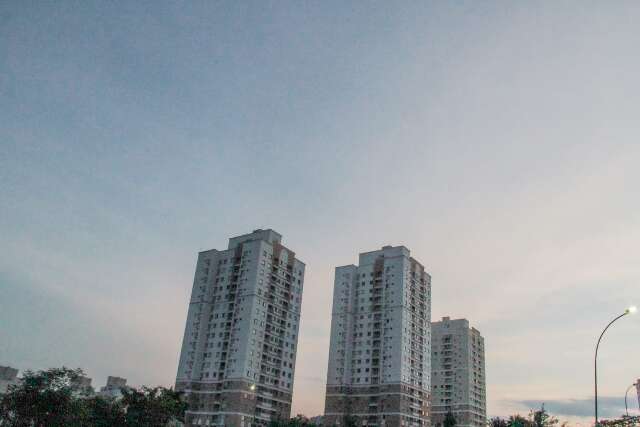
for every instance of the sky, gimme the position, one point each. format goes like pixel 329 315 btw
pixel 498 141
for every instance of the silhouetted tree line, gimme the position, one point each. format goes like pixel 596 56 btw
pixel 539 418
pixel 620 422
pixel 51 398
pixel 297 421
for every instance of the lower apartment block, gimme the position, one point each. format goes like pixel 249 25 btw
pixel 234 403
pixel 383 405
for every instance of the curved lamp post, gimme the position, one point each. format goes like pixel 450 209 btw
pixel 595 364
pixel 626 408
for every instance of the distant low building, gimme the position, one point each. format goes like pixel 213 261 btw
pixel 114 387
pixel 8 376
pixel 83 386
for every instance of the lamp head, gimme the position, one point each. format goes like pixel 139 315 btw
pixel 252 387
pixel 631 309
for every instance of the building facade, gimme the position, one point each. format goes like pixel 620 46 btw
pixel 239 348
pixel 113 388
pixel 8 377
pixel 82 386
pixel 379 357
pixel 457 373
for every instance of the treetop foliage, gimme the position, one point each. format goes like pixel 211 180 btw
pixel 53 398
pixel 539 418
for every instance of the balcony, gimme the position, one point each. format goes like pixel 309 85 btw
pixel 264 404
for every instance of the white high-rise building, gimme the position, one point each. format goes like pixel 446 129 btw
pixel 239 348
pixel 379 357
pixel 457 373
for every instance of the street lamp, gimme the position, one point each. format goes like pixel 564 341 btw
pixel 629 310
pixel 626 408
pixel 252 387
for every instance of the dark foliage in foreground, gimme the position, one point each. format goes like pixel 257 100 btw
pixel 52 398
pixel 621 422
pixel 298 421
pixel 539 418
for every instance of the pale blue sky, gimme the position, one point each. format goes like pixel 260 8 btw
pixel 497 140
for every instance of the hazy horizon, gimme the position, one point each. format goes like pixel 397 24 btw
pixel 497 141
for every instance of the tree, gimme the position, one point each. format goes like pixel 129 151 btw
pixel 541 418
pixel 300 421
pixel 297 421
pixel 150 407
pixel 44 398
pixel 518 421
pixel 53 398
pixel 449 420
pixel 498 422
pixel 624 421
pixel 350 421
pixel 101 412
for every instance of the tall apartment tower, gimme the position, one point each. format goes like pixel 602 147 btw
pixel 239 347
pixel 379 357
pixel 457 373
